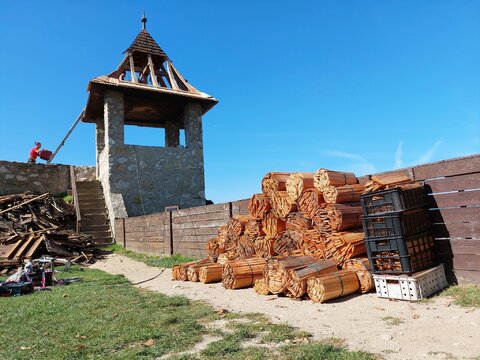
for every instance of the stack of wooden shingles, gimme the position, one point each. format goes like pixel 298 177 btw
pixel 301 228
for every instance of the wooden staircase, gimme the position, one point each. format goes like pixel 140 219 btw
pixel 93 211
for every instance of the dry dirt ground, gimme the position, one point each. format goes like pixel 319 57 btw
pixel 435 329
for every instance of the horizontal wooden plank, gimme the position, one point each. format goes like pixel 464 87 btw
pixel 199 224
pixel 212 231
pixel 454 183
pixel 224 215
pixel 470 262
pixel 454 247
pixel 454 215
pixel 457 230
pixel 463 198
pixel 465 277
pixel 192 238
pixel 451 167
pixel 201 210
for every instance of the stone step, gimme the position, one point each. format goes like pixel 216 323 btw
pixel 103 241
pixel 99 234
pixel 91 205
pixel 91 219
pixel 90 198
pixel 94 228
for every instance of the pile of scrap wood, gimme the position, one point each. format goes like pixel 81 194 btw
pixel 303 237
pixel 32 225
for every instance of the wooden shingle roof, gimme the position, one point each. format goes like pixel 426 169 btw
pixel 145 43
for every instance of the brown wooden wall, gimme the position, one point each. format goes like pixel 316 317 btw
pixel 454 187
pixel 184 231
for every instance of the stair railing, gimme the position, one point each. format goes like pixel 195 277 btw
pixel 73 185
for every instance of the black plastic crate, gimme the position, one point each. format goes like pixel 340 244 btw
pixel 403 223
pixel 392 200
pixel 401 254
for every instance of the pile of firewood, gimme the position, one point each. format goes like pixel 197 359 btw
pixel 32 225
pixel 302 226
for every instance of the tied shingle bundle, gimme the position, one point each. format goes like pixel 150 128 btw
pixel 324 178
pixel 245 247
pixel 310 202
pixel 332 286
pixel 276 272
pixel 180 272
pixel 258 206
pixel 343 194
pixel 339 217
pixel 274 181
pixel 288 243
pixel 297 278
pixel 210 273
pixel 298 182
pixel 239 274
pixel 272 226
pixel 362 268
pixel 254 229
pixel 282 204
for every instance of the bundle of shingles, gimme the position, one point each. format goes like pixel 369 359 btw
pixel 302 226
pixel 32 225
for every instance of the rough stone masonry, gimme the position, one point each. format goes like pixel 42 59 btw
pixel 149 178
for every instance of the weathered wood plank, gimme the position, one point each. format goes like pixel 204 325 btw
pixel 211 231
pixel 462 198
pixel 454 183
pixel 201 210
pixel 455 215
pixel 451 167
pixel 224 215
pixel 457 230
pixel 455 246
pixel 467 277
pixel 199 224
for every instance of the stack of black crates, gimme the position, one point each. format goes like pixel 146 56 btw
pixel 398 231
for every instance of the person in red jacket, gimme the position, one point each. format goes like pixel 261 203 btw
pixel 34 152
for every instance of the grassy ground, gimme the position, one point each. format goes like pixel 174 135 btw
pixel 105 317
pixel 466 296
pixel 151 260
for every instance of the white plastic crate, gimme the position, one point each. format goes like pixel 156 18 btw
pixel 413 287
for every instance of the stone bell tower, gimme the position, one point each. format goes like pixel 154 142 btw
pixel 147 90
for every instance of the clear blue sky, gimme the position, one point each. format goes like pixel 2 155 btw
pixel 361 86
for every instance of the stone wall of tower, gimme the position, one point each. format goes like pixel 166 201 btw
pixel 150 178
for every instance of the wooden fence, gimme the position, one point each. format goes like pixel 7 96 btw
pixel 184 231
pixel 454 187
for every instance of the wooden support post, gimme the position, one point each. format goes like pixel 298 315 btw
pixel 152 71
pixel 173 82
pixel 132 70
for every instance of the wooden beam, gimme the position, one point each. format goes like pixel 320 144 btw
pixel 152 71
pixel 185 82
pixel 132 70
pixel 173 82
pixel 143 73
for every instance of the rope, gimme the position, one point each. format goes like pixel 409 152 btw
pixel 341 282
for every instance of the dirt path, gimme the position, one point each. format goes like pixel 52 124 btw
pixel 393 329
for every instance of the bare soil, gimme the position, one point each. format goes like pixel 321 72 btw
pixel 433 329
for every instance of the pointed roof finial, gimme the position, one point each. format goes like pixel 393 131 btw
pixel 144 20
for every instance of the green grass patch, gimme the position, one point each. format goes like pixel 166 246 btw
pixel 151 260
pixel 466 296
pixel 105 317
pixel 68 199
pixel 392 321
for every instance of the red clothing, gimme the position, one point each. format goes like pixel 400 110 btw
pixel 34 153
